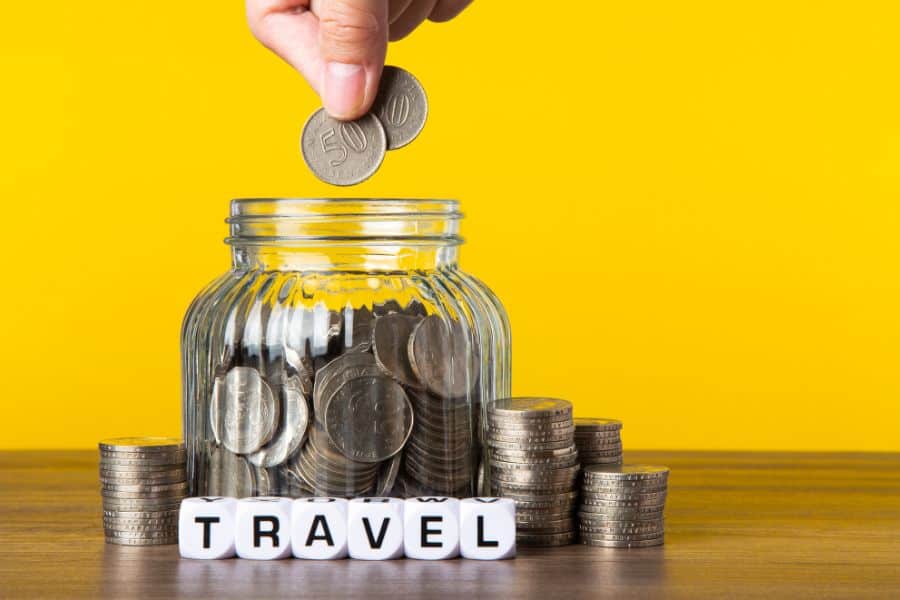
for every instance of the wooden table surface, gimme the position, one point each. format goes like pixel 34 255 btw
pixel 737 525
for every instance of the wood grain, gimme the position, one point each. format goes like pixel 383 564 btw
pixel 738 525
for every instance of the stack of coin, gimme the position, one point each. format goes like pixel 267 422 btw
pixel 142 482
pixel 622 505
pixel 534 461
pixel 349 152
pixel 440 457
pixel 599 441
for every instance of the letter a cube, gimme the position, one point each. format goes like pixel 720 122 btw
pixel 319 528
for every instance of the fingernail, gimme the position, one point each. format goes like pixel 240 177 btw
pixel 344 89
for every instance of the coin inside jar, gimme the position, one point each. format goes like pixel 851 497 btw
pixel 292 429
pixel 390 343
pixel 368 418
pixel 243 411
pixel 439 353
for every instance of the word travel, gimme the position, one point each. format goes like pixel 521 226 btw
pixel 271 528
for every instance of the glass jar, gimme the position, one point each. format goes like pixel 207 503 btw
pixel 344 354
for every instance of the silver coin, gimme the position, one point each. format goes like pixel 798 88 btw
pixel 442 358
pixel 143 542
pixel 536 426
pixel 521 455
pixel 586 531
pixel 645 497
pixel 336 373
pixel 343 152
pixel 292 429
pixel 528 500
pixel 387 475
pixel 655 501
pixel 401 106
pixel 149 469
pixel 149 526
pixel 543 516
pixel 141 504
pixel 128 464
pixel 650 528
pixel 369 418
pixel 626 472
pixel 598 449
pixel 504 488
pixel 243 411
pixel 149 488
pixel 360 329
pixel 228 474
pixel 603 543
pixel 162 533
pixel 597 424
pixel 168 477
pixel 599 455
pixel 140 514
pixel 566 461
pixel 608 487
pixel 142 444
pixel 530 408
pixel 529 438
pixel 529 446
pixel 440 467
pixel 435 478
pixel 554 476
pixel 614 460
pixel 623 514
pixel 390 343
pixel 535 529
pixel 549 539
pixel 598 443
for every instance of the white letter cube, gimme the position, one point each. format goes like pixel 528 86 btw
pixel 487 528
pixel 431 527
pixel 206 527
pixel 375 528
pixel 319 528
pixel 263 528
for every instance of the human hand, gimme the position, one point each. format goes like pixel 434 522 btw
pixel 339 45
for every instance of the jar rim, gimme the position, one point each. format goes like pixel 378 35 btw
pixel 379 220
pixel 295 207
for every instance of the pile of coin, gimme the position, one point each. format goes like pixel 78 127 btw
pixel 534 461
pixel 379 401
pixel 599 441
pixel 142 483
pixel 622 505
pixel 349 152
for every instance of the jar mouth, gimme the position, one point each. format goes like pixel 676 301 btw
pixel 305 221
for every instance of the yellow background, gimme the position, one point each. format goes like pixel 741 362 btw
pixel 690 209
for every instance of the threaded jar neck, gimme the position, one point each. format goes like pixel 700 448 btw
pixel 344 233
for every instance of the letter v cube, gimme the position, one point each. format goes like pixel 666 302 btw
pixel 375 528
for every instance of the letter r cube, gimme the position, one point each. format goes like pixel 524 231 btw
pixel 263 528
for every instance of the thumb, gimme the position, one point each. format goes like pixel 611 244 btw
pixel 353 36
